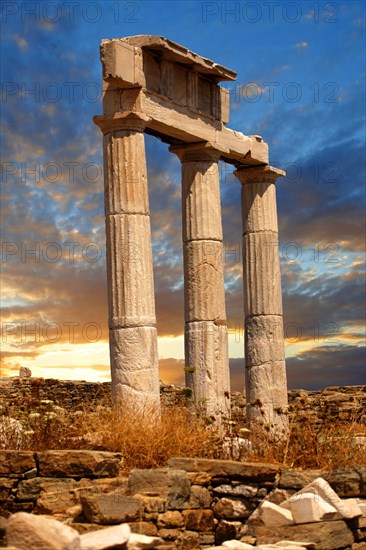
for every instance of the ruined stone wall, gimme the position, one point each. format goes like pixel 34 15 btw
pixel 193 503
pixel 341 402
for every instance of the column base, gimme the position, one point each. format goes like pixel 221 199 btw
pixel 207 368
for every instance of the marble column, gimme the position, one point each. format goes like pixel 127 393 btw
pixel 206 344
pixel 265 370
pixel 132 321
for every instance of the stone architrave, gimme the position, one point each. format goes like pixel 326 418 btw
pixel 265 371
pixel 153 85
pixel 206 344
pixel 132 322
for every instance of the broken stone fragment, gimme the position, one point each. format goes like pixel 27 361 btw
pixel 25 531
pixel 105 538
pixel 322 490
pixel 273 515
pixel 308 508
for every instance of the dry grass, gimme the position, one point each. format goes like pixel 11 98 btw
pixel 327 445
pixel 147 442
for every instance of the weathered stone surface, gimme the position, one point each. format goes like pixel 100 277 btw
pixel 226 530
pixel 111 508
pixel 126 190
pixel 30 489
pixel 27 531
pixel 346 482
pixel 78 463
pixel 152 504
pixel 143 542
pixel 170 519
pixel 236 545
pixel 143 528
pixel 102 539
pixel 135 378
pixel 308 508
pixel 206 353
pixel 198 520
pixel 264 340
pixel 200 497
pixel 200 197
pixel 172 484
pixel 259 208
pixel 15 463
pixel 227 508
pixel 297 479
pixel 321 490
pixel 273 515
pixel 6 486
pixel 204 281
pixel 56 497
pixel 241 470
pixel 130 271
pixel 326 535
pixel 262 264
pixel 25 372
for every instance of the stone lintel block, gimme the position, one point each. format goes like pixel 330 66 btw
pixel 16 462
pixel 201 201
pixel 134 366
pixel 204 281
pixel 77 464
pixel 130 271
pixel 125 173
pixel 247 471
pixel 261 265
pixel 264 341
pixel 259 210
pixel 122 62
pixel 207 370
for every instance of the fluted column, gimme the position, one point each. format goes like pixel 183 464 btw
pixel 132 322
pixel 265 372
pixel 206 345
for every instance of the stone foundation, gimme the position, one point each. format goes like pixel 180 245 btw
pixel 194 503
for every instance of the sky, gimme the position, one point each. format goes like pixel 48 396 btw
pixel 300 84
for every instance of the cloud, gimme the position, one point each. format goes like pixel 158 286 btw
pixel 301 45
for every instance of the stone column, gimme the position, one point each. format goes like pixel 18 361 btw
pixel 206 345
pixel 132 322
pixel 265 370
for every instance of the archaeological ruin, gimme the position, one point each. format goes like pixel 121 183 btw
pixel 155 86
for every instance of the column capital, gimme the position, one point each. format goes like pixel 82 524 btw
pixel 198 151
pixel 258 174
pixel 125 120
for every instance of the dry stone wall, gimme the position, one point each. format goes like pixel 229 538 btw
pixel 341 402
pixel 191 503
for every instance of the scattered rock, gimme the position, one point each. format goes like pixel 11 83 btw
pixel 102 539
pixel 25 531
pixel 273 515
pixel 325 535
pixel 25 372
